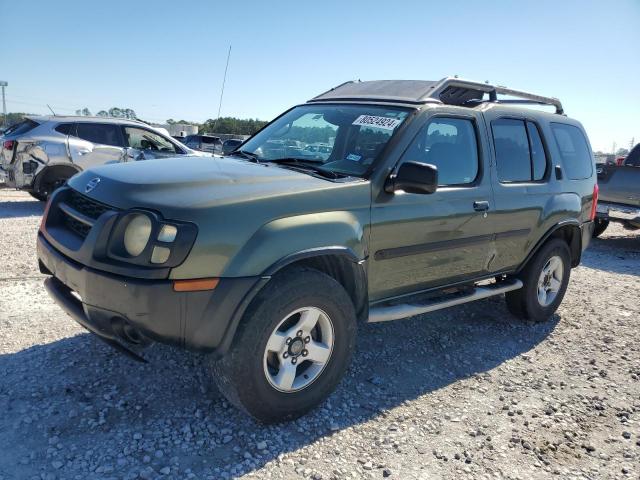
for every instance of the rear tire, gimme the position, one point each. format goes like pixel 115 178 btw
pixel 599 227
pixel 259 375
pixel 545 280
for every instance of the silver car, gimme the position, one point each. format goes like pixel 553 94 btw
pixel 40 153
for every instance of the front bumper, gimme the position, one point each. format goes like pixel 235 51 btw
pixel 121 309
pixel 618 212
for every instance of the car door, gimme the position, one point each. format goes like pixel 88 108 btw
pixel 420 241
pixel 145 144
pixel 93 144
pixel 522 185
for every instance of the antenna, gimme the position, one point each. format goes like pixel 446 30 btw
pixel 54 113
pixel 224 80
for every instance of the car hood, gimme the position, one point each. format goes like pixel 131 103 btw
pixel 174 184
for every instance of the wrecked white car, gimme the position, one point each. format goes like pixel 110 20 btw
pixel 39 154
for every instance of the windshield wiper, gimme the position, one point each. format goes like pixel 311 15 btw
pixel 246 154
pixel 305 165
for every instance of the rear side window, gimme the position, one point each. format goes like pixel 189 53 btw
pixel 451 145
pixel 101 133
pixel 65 128
pixel 520 154
pixel 21 128
pixel 210 140
pixel 574 151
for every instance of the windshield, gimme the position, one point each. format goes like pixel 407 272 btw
pixel 345 139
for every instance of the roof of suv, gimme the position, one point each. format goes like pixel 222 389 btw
pixel 84 119
pixel 448 91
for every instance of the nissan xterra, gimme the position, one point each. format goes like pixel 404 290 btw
pixel 433 194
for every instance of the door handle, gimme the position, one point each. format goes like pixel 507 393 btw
pixel 481 206
pixel 83 152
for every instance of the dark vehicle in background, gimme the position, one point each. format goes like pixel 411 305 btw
pixel 619 196
pixel 204 143
pixel 230 145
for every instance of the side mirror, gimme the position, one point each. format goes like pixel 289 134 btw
pixel 413 177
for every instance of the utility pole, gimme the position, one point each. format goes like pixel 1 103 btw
pixel 4 103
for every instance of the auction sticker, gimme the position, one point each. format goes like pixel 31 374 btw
pixel 385 123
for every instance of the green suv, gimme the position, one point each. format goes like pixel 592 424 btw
pixel 433 194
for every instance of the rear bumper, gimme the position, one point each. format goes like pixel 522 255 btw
pixel 618 212
pixel 586 230
pixel 121 309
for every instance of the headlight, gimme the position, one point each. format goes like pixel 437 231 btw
pixel 137 233
pixel 146 239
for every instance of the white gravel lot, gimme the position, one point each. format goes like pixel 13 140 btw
pixel 468 392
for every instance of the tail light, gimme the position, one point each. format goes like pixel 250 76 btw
pixel 594 204
pixel 8 144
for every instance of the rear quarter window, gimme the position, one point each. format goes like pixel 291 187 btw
pixel 21 128
pixel 574 151
pixel 65 128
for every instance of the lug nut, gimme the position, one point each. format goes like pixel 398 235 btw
pixel 307 339
pixel 285 354
pixel 299 334
pixel 305 353
pixel 294 360
pixel 288 341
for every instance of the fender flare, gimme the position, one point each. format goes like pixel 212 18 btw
pixel 546 236
pixel 262 281
pixel 310 253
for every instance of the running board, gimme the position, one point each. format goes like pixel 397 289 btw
pixel 405 310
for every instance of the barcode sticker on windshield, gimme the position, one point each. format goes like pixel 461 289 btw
pixel 385 123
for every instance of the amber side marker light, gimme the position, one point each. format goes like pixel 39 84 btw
pixel 195 285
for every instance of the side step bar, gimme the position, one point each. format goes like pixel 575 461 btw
pixel 405 310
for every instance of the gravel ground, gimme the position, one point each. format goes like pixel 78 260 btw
pixel 465 393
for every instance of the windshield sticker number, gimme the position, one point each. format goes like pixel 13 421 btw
pixel 353 157
pixel 385 123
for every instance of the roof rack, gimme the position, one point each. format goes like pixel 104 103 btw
pixel 455 91
pixel 450 91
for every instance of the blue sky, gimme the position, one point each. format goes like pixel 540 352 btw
pixel 168 62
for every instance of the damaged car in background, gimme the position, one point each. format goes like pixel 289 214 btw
pixel 40 154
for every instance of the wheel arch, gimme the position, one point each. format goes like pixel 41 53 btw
pixel 340 263
pixel 568 231
pixel 51 170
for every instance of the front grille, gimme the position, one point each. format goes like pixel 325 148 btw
pixel 79 228
pixel 86 205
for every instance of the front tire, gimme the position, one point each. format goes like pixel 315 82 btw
pixel 292 347
pixel 545 280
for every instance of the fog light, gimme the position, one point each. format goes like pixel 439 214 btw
pixel 160 254
pixel 167 234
